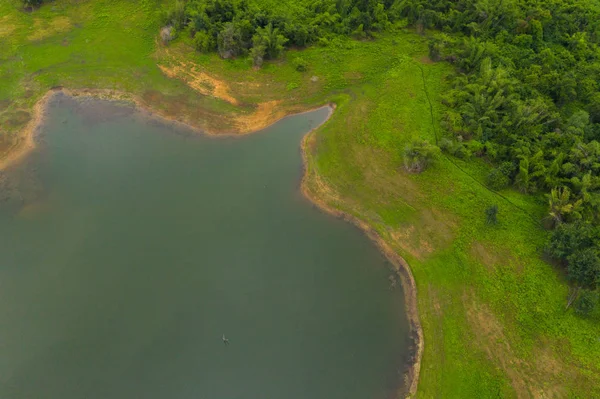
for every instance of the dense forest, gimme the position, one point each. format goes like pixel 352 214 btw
pixel 525 94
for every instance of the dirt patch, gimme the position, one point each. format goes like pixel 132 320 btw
pixel 266 114
pixel 541 375
pixel 4 104
pixel 493 258
pixel 489 335
pixel 18 118
pixel 353 76
pixel 25 142
pixel 200 81
pixel 426 60
pixel 436 231
pixel 6 26
pixel 43 29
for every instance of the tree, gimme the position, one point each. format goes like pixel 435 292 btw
pixel 419 154
pixel 584 267
pixel 32 3
pixel 497 180
pixel 271 39
pixel 257 53
pixel 561 206
pixel 435 50
pixel 203 42
pixel 569 238
pixel 586 302
pixel 229 41
pixel 177 16
pixel 491 214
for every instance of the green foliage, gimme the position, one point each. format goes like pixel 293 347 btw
pixel 257 54
pixel 300 64
pixel 238 25
pixel 491 214
pixel 270 40
pixel 584 267
pixel 570 238
pixel 229 41
pixel 418 155
pixel 32 3
pixel 586 302
pixel 500 177
pixel 562 207
pixel 527 81
pixel 204 42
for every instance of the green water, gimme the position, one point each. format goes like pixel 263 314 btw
pixel 128 248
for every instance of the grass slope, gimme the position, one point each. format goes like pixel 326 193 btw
pixel 493 313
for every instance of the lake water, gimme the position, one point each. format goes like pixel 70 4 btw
pixel 129 247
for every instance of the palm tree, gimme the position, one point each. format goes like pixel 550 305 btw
pixel 561 206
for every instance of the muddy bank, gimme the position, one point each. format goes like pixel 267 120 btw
pixel 318 195
pixel 264 116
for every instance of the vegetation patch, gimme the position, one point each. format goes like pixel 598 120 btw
pixel 43 29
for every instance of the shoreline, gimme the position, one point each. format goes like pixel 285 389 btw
pixel 26 143
pixel 402 268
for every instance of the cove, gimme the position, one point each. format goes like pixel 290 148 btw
pixel 129 246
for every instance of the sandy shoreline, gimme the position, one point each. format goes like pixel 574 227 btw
pixel 26 144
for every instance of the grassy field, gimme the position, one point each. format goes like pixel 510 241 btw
pixel 493 312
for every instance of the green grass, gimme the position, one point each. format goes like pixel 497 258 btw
pixel 493 312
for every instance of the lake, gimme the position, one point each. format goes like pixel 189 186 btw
pixel 129 247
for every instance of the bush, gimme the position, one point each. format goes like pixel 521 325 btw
pixel 586 302
pixel 204 42
pixel 257 53
pixel 475 147
pixel 497 180
pixel 454 148
pixel 291 86
pixel 300 64
pixel 500 177
pixel 418 155
pixel 491 214
pixel 584 267
pixel 32 3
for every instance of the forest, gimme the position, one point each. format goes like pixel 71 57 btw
pixel 524 97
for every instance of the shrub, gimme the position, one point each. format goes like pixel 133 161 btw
pixel 204 42
pixel 418 155
pixel 586 302
pixel 497 180
pixel 32 3
pixel 300 64
pixel 257 53
pixel 475 147
pixel 292 85
pixel 584 267
pixel 491 214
